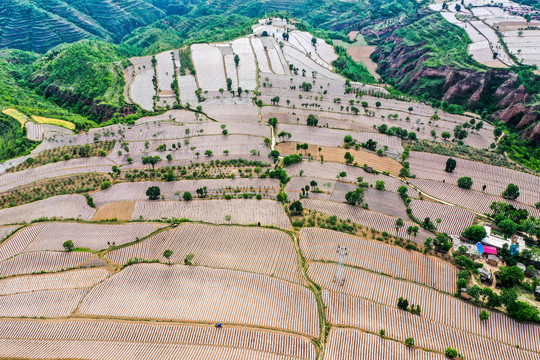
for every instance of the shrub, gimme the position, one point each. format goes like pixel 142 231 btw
pixel 187 196
pixel 68 245
pixel 451 353
pixel 465 182
pixel 511 192
pixel 484 315
pixel 403 303
pixel 474 233
pixel 409 341
pixel 379 185
pixel 105 185
pixel 291 159
pixel 450 165
pixel 509 277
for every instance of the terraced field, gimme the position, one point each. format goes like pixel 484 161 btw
pixel 162 341
pixel 321 244
pixel 262 251
pixel 453 219
pixel 228 296
pixel 244 212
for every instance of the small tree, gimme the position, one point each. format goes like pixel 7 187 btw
pixel 409 342
pixel 379 185
pixel 399 224
pixel 349 158
pixel 450 165
pixel 465 182
pixel 236 60
pixel 167 254
pixel 187 196
pixel 474 233
pixel 188 258
pixel 68 245
pixel 296 208
pixel 105 185
pixel 403 303
pixel 382 332
pixel 153 192
pixel 511 192
pixel 355 197
pixel 445 135
pixel 312 120
pixel 484 315
pixel 451 353
pixel 510 276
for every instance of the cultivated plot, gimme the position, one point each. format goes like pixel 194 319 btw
pixel 50 303
pixel 41 261
pixel 173 292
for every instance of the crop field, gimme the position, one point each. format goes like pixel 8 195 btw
pixel 468 199
pixel 35 131
pixel 120 210
pixel 330 171
pixel 54 170
pixel 165 71
pixel 399 324
pixel 265 212
pixel 50 303
pixel 141 90
pixel 17 115
pixel 256 250
pixel 363 217
pixel 187 85
pixel 91 236
pixel 228 296
pixel 431 166
pixel 5 231
pixel 385 202
pixel 454 219
pixel 349 344
pixel 80 336
pixel 260 54
pixel 66 280
pixel 247 67
pixel 230 69
pixel 493 40
pixel 303 62
pixel 64 206
pixel 57 122
pixel 332 137
pixel 171 190
pixel 180 116
pixel 229 114
pixel 320 244
pixel 208 62
pixel 19 241
pixel 457 314
pixel 524 47
pixel 38 261
pixel 278 62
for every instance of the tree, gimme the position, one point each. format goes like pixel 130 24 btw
pixel 465 182
pixel 229 84
pixel 474 233
pixel 450 165
pixel 509 276
pixel 208 153
pixel 402 190
pixel 167 254
pixel 153 192
pixel 404 172
pixel 460 133
pixel 484 315
pixel 272 122
pixel 409 342
pixel 355 197
pixel 105 185
pixel 169 157
pixel 442 242
pixel 296 208
pixel 187 196
pixel 349 158
pixel 497 132
pixel 151 160
pixel 511 192
pixel 445 135
pixel 314 41
pixel 188 258
pixel 399 224
pixel 451 353
pixel 312 120
pixel 403 303
pixel 378 104
pixel 291 159
pixel 508 226
pixel 236 59
pixel 379 185
pixel 68 245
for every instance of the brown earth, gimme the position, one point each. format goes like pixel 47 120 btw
pixel 337 155
pixel 120 210
pixel 362 54
pixel 353 34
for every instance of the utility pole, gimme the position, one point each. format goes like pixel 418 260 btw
pixel 340 268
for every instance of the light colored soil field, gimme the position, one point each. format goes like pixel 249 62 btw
pixel 174 292
pixel 116 339
pixel 62 281
pixel 92 236
pixel 353 34
pixel 363 217
pixel 399 325
pixel 262 251
pixel 57 122
pixel 458 314
pixel 454 219
pixel 121 210
pixel 337 155
pixel 431 166
pixel 321 244
pixel 349 344
pixel 5 231
pixel 362 54
pixel 265 212
pixel 17 115
pixel 34 131
pixel 19 241
pixel 142 90
pixel 38 261
pixel 64 206
pixel 50 303
pixel 208 62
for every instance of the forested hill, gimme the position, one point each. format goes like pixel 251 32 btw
pixel 40 25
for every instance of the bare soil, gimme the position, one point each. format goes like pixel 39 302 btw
pixel 121 210
pixel 353 34
pixel 362 54
pixel 337 155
